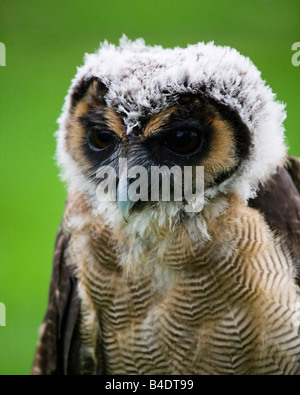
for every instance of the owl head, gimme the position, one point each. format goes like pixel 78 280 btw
pixel 201 106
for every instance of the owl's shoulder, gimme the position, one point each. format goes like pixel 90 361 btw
pixel 279 202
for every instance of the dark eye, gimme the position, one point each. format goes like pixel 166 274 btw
pixel 183 142
pixel 99 140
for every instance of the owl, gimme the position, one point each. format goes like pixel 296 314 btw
pixel 159 286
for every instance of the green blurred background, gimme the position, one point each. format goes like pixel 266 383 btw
pixel 45 41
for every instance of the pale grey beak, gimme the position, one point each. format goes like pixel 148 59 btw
pixel 125 204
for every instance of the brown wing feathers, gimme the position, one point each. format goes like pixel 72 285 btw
pixel 52 356
pixel 293 167
pixel 279 202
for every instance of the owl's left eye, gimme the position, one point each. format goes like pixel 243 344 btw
pixel 183 142
pixel 99 139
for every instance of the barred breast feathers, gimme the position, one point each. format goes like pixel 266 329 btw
pixel 242 278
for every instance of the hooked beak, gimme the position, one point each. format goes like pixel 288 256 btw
pixel 124 202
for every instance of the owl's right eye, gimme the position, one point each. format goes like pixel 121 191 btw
pixel 98 139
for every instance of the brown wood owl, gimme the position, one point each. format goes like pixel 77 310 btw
pixel 151 287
